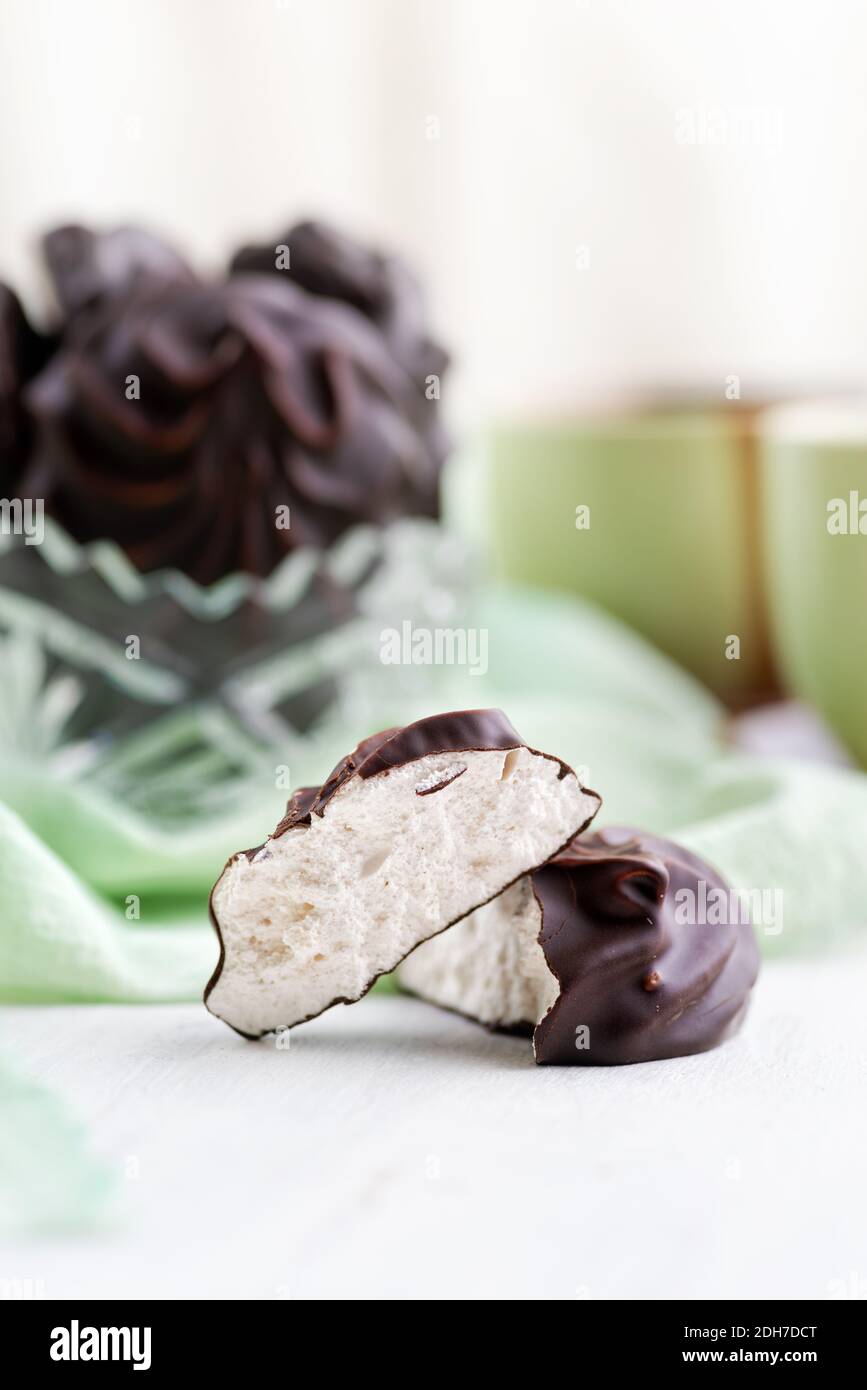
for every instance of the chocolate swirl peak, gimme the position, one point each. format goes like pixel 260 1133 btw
pixel 22 353
pixel 324 261
pixel 182 418
pixel 89 268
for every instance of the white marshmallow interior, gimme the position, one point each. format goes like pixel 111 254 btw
pixel 490 966
pixel 323 910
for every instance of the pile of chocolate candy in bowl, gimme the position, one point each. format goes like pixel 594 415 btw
pixel 206 473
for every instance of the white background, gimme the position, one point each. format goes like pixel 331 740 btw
pixel 397 1151
pixel 558 128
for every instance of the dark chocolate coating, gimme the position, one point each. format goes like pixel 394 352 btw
pixel 324 261
pixel 89 268
pixel 253 395
pixel 23 352
pixel 646 985
pixel 462 731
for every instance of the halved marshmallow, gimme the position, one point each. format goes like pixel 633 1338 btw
pixel 625 948
pixel 415 829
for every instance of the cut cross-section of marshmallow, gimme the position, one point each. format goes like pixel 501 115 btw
pixel 625 948
pixel 413 830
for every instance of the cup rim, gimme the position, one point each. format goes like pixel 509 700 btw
pixel 827 420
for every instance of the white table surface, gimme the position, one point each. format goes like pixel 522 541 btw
pixel 395 1151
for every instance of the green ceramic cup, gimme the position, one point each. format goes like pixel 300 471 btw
pixel 814 465
pixel 672 545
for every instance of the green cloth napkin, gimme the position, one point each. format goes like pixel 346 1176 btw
pixel 99 903
pixel 50 1181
